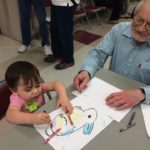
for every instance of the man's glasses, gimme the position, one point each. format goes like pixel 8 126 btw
pixel 140 21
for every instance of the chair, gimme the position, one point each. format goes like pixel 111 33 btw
pixel 80 13
pixel 92 8
pixel 4 97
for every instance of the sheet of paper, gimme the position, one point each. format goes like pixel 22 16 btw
pixel 88 121
pixel 97 91
pixel 146 115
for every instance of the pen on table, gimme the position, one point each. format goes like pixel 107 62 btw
pixel 127 127
pixel 130 123
pixel 131 119
pixel 52 135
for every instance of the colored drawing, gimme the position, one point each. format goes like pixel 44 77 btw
pixel 82 120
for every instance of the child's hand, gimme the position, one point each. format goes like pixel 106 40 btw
pixel 65 104
pixel 41 118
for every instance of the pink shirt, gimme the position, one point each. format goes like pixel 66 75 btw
pixel 17 101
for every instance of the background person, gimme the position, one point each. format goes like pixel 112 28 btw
pixel 25 14
pixel 61 29
pixel 117 8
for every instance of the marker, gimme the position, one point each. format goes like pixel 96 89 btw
pixel 51 136
pixel 131 119
pixel 70 120
pixel 127 127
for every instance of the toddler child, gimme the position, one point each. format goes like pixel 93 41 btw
pixel 27 94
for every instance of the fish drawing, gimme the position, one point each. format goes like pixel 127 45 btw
pixel 82 119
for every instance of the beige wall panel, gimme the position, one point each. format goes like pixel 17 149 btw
pixel 10 22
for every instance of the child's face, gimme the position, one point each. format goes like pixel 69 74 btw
pixel 28 92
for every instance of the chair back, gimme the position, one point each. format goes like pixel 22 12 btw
pixel 4 97
pixel 47 3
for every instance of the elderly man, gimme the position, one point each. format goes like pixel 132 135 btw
pixel 129 45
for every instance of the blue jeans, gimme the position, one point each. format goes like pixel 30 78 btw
pixel 25 14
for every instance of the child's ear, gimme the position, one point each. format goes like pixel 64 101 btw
pixel 13 91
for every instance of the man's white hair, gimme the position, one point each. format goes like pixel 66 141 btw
pixel 143 2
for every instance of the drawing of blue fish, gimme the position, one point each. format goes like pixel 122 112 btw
pixel 81 119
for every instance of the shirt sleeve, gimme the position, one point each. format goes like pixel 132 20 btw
pixel 16 101
pixel 147 95
pixel 97 56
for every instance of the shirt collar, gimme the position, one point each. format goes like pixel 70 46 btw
pixel 127 31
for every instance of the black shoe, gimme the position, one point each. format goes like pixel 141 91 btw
pixel 50 59
pixel 63 65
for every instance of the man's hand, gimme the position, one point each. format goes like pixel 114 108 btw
pixel 125 99
pixel 81 80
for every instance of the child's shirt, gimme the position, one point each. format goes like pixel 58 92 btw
pixel 17 101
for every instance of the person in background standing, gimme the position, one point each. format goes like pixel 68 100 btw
pixel 25 13
pixel 117 8
pixel 61 28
